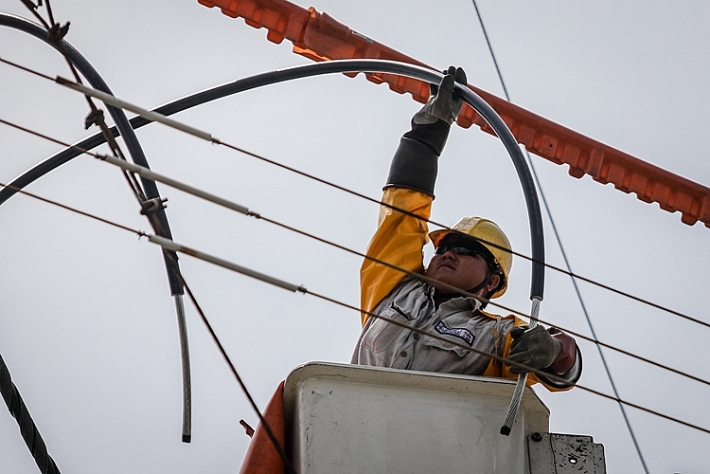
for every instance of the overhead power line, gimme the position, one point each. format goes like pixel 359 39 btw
pixel 150 174
pixel 564 254
pixel 248 212
pixel 299 288
pixel 244 210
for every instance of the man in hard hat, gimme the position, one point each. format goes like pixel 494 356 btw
pixel 448 324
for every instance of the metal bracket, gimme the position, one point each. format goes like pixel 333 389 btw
pixel 552 453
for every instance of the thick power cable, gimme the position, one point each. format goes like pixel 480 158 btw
pixel 564 254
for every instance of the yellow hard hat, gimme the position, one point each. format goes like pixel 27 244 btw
pixel 487 232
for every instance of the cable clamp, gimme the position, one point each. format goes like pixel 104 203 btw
pixel 152 206
pixel 58 32
pixel 95 117
pixel 31 5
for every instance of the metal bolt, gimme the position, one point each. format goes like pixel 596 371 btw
pixel 537 437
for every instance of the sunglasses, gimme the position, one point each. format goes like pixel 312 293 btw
pixel 458 250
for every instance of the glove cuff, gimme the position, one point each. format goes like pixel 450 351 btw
pixel 568 351
pixel 415 163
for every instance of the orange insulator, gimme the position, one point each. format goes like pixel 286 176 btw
pixel 320 37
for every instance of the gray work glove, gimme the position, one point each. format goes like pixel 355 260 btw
pixel 534 347
pixel 443 104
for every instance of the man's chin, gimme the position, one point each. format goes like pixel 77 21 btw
pixel 445 287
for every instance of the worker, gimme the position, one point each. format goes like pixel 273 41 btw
pixel 429 299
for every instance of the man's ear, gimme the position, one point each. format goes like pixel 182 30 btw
pixel 492 284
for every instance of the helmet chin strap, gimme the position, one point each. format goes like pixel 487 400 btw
pixel 472 290
pixel 484 283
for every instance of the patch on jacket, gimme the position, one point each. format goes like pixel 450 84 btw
pixel 461 333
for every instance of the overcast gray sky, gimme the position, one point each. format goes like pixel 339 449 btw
pixel 87 324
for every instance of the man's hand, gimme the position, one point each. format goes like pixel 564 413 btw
pixel 535 348
pixel 442 105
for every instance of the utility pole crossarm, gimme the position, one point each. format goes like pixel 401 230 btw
pixel 319 37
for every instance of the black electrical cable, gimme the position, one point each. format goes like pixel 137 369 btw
pixel 28 429
pixel 53 36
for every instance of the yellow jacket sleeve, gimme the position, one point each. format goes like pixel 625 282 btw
pixel 399 241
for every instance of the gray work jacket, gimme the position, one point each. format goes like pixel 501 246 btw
pixel 458 321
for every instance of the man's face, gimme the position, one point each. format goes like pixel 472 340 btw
pixel 459 270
